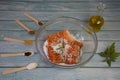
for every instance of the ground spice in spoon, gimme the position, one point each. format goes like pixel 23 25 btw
pixel 28 42
pixel 31 32
pixel 40 23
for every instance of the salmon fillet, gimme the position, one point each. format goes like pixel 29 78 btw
pixel 62 47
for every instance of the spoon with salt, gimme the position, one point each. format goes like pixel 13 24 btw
pixel 28 53
pixel 28 67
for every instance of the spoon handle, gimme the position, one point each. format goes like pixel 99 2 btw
pixel 32 18
pixel 11 54
pixel 13 40
pixel 23 25
pixel 13 70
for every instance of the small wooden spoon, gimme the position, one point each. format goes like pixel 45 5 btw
pixel 29 53
pixel 32 18
pixel 30 31
pixel 26 42
pixel 28 67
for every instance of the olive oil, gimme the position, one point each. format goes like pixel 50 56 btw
pixel 97 21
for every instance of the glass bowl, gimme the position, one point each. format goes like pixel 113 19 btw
pixel 76 28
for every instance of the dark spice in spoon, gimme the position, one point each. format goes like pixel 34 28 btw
pixel 28 53
pixel 31 32
pixel 40 23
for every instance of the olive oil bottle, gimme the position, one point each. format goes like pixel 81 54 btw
pixel 97 21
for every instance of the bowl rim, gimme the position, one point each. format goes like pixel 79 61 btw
pixel 51 21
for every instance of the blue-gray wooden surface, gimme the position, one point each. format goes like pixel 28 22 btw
pixel 44 10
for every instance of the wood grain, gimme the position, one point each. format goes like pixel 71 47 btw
pixel 66 74
pixel 44 10
pixel 83 16
pixel 103 35
pixel 95 62
pixel 13 26
pixel 54 6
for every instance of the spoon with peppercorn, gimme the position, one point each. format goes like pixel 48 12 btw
pixel 28 53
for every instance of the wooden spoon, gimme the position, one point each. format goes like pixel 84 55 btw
pixel 30 31
pixel 28 53
pixel 32 18
pixel 28 67
pixel 26 42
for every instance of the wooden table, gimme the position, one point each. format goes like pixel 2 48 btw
pixel 45 10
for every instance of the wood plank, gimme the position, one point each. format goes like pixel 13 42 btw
pixel 63 0
pixel 16 47
pixel 11 25
pixel 111 26
pixel 64 74
pixel 96 61
pixel 21 61
pixel 108 35
pixel 54 6
pixel 22 35
pixel 83 16
pixel 102 35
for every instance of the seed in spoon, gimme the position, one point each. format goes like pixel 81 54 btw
pixel 28 42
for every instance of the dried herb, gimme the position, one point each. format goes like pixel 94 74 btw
pixel 110 54
pixel 61 47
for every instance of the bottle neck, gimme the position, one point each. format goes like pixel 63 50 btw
pixel 100 9
pixel 99 13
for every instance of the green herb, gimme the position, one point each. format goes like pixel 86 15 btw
pixel 61 47
pixel 110 54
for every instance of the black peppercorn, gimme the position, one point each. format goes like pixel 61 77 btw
pixel 28 53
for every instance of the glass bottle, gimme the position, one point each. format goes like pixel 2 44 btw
pixel 97 21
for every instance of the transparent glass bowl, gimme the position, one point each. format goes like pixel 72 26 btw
pixel 77 29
